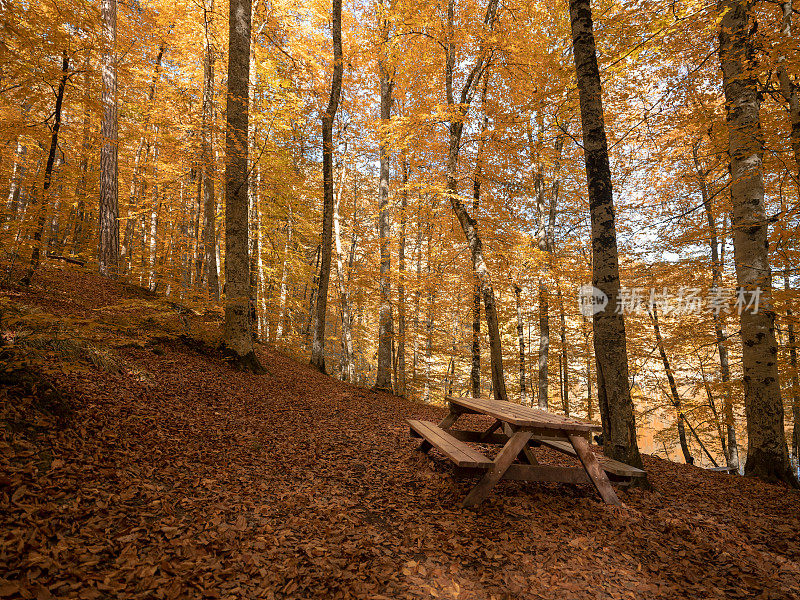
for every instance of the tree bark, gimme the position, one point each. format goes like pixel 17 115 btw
pixel 732 454
pixel 521 338
pixel 616 406
pixel 238 327
pixel 348 363
pixel 789 87
pixel 564 354
pixel 795 387
pixel 318 325
pixel 400 379
pixel 207 269
pixel 383 376
pixel 767 454
pixel 108 253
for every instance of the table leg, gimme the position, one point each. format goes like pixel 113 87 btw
pixel 527 453
pixel 504 459
pixel 594 470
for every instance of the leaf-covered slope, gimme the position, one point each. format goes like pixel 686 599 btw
pixel 175 477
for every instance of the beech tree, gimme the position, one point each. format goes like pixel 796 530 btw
pixel 611 356
pixel 109 183
pixel 767 453
pixel 238 323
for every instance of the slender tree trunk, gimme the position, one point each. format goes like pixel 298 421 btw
pixel 564 354
pixel 154 213
pixel 48 175
pixel 767 454
pixel 238 326
pixel 109 191
pixel 318 326
pixel 468 223
pixel 284 290
pixel 673 388
pixel 713 407
pixel 732 455
pixel 348 363
pixel 15 184
pixel 521 338
pixel 207 255
pixel 544 346
pixel 255 247
pixel 588 350
pixel 383 377
pixel 400 379
pixel 795 389
pixel 616 406
pixel 789 86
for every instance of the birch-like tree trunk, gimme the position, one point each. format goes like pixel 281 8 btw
pixel 400 379
pixel 767 454
pixel 15 184
pixel 238 326
pixel 108 253
pixel 732 454
pixel 383 376
pixel 281 327
pixel 348 363
pixel 318 324
pixel 616 406
pixel 795 388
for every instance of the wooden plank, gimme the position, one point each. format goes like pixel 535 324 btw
pixel 523 416
pixel 547 473
pixel 609 464
pixel 505 457
pixel 455 450
pixel 593 469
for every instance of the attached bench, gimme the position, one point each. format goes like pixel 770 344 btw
pixel 457 451
pixel 614 467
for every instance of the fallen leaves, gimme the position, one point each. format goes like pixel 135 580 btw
pixel 178 478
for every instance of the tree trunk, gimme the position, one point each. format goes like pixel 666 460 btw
pixel 544 346
pixel 48 175
pixel 732 454
pixel 238 327
pixel 109 191
pixel 767 454
pixel 564 354
pixel 400 380
pixel 348 363
pixel 616 406
pixel 795 389
pixel 318 325
pixel 521 337
pixel 673 388
pixel 15 184
pixel 383 377
pixel 713 407
pixel 207 254
pixel 789 87
pixel 281 327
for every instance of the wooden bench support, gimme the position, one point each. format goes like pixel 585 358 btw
pixel 609 465
pixel 593 469
pixel 501 463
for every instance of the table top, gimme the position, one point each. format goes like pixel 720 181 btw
pixel 524 416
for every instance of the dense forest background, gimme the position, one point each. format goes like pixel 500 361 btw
pixel 401 271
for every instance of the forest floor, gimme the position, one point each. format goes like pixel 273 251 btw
pixel 135 463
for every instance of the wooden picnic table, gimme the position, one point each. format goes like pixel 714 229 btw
pixel 519 429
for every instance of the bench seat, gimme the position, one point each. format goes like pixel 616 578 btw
pixel 455 450
pixel 609 465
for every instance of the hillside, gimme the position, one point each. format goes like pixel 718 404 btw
pixel 136 464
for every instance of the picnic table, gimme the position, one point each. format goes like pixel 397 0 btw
pixel 520 429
